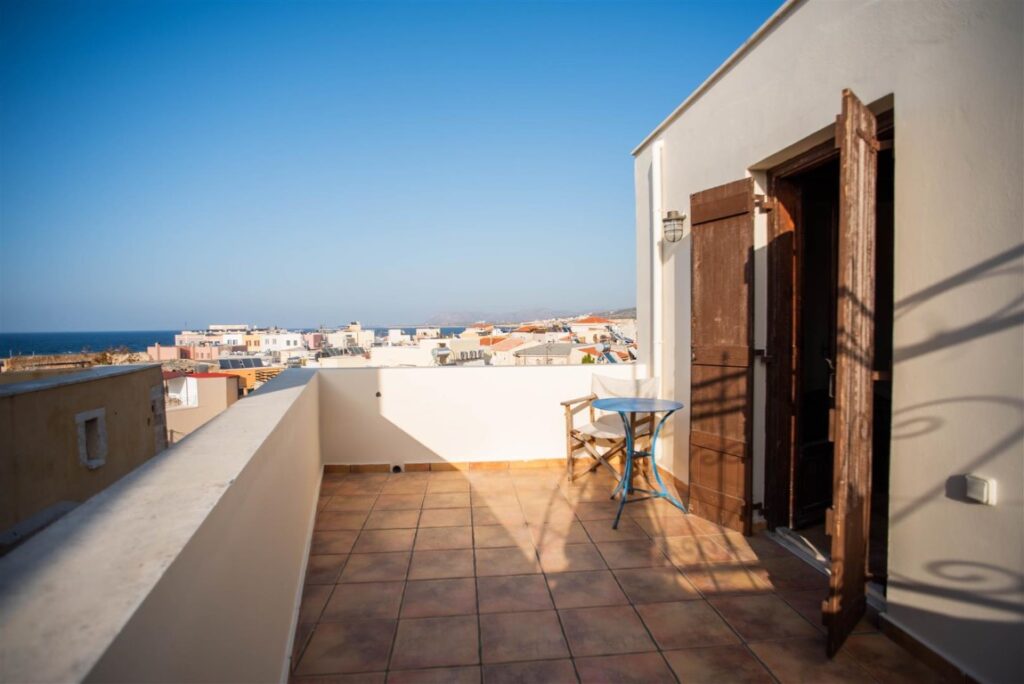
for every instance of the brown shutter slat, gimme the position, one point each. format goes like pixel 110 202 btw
pixel 855 339
pixel 720 369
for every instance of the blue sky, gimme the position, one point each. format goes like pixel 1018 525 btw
pixel 297 163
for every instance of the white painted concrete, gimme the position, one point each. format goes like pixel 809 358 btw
pixel 955 72
pixel 188 569
pixel 451 414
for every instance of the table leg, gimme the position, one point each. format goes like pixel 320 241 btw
pixel 626 484
pixel 654 465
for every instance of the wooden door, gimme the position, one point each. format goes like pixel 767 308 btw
pixel 858 145
pixel 721 386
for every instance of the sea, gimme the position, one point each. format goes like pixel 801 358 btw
pixel 25 344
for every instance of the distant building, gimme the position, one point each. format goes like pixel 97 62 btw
pixel 547 354
pixel 67 436
pixel 193 399
pixel 427 333
pixel 159 352
pixel 313 340
pixel 591 329
pixel 280 340
pixel 352 336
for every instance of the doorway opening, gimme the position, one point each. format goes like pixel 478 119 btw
pixel 807 195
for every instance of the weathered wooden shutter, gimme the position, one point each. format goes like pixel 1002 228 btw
pixel 855 136
pixel 721 387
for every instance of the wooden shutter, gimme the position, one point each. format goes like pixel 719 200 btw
pixel 855 136
pixel 721 372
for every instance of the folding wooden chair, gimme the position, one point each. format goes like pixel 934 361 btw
pixel 604 436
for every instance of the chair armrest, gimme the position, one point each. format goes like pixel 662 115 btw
pixel 579 400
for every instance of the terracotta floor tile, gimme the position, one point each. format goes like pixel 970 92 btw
pixel 439 598
pixel 333 541
pixel 508 637
pixel 448 486
pixel 665 527
pixel 532 672
pixel 387 520
pixel 513 593
pixel 437 675
pixel 379 541
pixel 733 664
pixel 887 661
pixel 402 486
pixel 582 589
pixel 724 578
pixel 749 549
pixel 489 499
pixel 449 500
pixel 340 520
pixel 353 646
pixel 498 515
pixel 446 517
pixel 508 561
pixel 571 532
pixel 398 502
pixel 375 567
pixel 804 660
pixel 324 569
pixel 654 585
pixel 601 530
pixel 596 510
pixel 632 668
pixel 498 536
pixel 436 642
pixel 787 573
pixel 571 558
pixel 364 601
pixel 314 598
pixel 322 501
pixel 692 550
pixel 605 631
pixel 350 503
pixel 808 604
pixel 441 564
pixel 637 553
pixel 356 489
pixel 354 678
pixel 549 515
pixel 443 538
pixel 766 616
pixel 303 631
pixel 685 624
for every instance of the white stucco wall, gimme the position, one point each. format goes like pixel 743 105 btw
pixel 429 415
pixel 956 73
pixel 189 569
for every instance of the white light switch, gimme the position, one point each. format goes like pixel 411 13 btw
pixel 981 490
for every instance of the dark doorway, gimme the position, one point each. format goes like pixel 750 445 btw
pixel 803 307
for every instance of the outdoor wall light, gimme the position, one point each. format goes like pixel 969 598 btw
pixel 672 226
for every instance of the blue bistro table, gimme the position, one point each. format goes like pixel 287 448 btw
pixel 627 408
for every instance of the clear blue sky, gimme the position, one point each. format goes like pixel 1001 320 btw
pixel 294 163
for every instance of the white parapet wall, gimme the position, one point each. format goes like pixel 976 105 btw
pixel 436 415
pixel 189 569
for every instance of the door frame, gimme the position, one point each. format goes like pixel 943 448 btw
pixel 783 320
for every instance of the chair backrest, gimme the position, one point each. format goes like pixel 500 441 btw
pixel 605 387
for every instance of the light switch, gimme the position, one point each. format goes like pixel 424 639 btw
pixel 981 490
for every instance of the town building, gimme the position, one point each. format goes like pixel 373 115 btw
pixel 66 435
pixel 193 399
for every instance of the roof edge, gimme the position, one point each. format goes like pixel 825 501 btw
pixel 740 52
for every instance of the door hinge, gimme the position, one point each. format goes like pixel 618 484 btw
pixel 763 355
pixel 763 204
pixel 829 519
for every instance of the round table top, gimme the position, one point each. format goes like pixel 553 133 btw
pixel 636 405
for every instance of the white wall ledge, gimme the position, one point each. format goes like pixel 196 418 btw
pixel 67 594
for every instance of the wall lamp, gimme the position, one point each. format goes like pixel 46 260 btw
pixel 672 226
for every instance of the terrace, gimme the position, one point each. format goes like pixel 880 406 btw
pixel 274 544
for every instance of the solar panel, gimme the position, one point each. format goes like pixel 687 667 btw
pixel 224 364
pixel 257 363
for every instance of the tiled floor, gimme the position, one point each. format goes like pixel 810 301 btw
pixel 515 576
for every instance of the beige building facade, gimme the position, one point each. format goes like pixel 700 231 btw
pixel 66 437
pixel 945 81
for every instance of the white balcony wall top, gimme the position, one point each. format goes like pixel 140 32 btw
pixel 434 415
